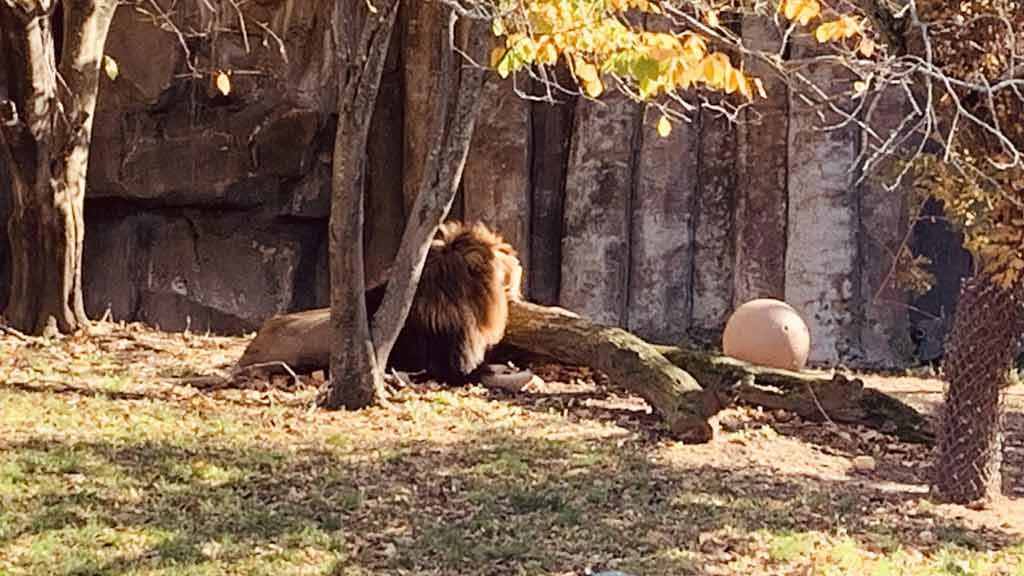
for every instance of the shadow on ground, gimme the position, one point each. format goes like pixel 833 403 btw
pixel 496 503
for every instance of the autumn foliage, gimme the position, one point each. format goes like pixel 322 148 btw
pixel 980 180
pixel 604 41
pixel 614 43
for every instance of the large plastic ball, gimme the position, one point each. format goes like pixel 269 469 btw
pixel 767 332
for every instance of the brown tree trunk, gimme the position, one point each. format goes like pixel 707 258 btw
pixel 979 352
pixel 359 351
pixel 44 139
pixel 357 379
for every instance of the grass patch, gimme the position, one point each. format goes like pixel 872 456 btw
pixel 108 466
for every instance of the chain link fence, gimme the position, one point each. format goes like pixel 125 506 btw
pixel 979 352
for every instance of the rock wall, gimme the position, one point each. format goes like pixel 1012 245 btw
pixel 208 211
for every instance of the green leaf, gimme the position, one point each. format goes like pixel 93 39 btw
pixel 504 66
pixel 645 68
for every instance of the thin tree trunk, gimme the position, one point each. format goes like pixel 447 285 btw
pixel 359 354
pixel 357 379
pixel 44 138
pixel 979 352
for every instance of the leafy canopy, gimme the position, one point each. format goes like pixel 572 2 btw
pixel 598 39
pixel 980 178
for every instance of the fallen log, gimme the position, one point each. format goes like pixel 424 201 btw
pixel 812 396
pixel 684 386
pixel 625 358
pixel 572 339
pixel 301 341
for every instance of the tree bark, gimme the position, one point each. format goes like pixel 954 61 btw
pixel 359 349
pixel 44 139
pixel 357 379
pixel 979 352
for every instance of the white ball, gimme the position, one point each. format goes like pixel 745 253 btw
pixel 767 332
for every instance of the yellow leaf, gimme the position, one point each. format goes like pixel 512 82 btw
pixel 683 76
pixel 594 88
pixel 586 71
pixel 860 86
pixel 802 11
pixel 731 82
pixel 845 27
pixel 744 85
pixel 849 25
pixel 714 69
pixel 664 127
pixel 110 67
pixel 223 83
pixel 525 48
pixel 694 48
pixel 789 8
pixel 867 47
pixel 825 32
pixel 712 18
pixel 496 55
pixel 497 27
pixel 760 87
pixel 547 53
pixel 809 11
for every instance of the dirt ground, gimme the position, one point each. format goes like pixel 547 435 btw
pixel 571 455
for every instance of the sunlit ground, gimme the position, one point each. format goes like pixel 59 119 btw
pixel 109 465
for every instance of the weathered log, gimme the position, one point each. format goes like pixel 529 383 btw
pixel 684 386
pixel 811 396
pixel 628 361
pixel 301 341
pixel 625 358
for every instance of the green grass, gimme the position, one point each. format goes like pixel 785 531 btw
pixel 118 474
